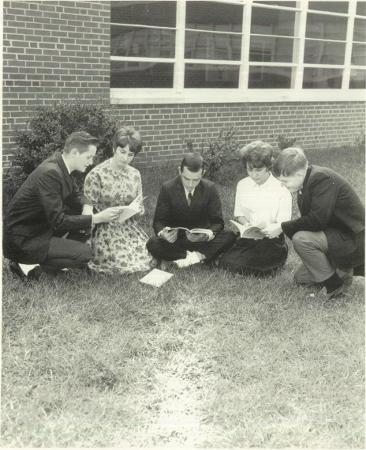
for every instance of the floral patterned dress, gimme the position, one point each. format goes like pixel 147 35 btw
pixel 117 248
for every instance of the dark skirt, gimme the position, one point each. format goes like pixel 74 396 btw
pixel 256 257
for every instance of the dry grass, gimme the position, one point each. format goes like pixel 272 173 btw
pixel 209 359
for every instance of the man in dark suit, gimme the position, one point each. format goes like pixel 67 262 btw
pixel 189 201
pixel 329 236
pixel 47 208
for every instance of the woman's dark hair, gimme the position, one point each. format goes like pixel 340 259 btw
pixel 193 162
pixel 256 155
pixel 127 136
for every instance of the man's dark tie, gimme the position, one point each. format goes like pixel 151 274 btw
pixel 190 196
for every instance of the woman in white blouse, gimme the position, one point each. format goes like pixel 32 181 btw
pixel 260 200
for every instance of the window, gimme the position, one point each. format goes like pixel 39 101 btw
pixel 213 35
pixel 237 50
pixel 146 37
pixel 272 40
pixel 325 45
pixel 358 59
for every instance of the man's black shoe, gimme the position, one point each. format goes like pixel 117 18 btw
pixel 17 271
pixel 32 275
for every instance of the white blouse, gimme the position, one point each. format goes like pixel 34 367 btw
pixel 267 203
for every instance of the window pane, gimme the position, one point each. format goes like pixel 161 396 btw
pixel 287 4
pixel 203 45
pixel 211 76
pixel 318 78
pixel 339 7
pixel 272 21
pixel 268 49
pixel 358 79
pixel 132 74
pixel 359 31
pixel 265 77
pixel 322 52
pixel 361 8
pixel 144 13
pixel 214 16
pixel 326 27
pixel 148 42
pixel 358 55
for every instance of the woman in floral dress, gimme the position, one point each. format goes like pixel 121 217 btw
pixel 117 247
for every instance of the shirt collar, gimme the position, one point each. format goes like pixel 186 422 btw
pixel 187 192
pixel 268 183
pixel 67 167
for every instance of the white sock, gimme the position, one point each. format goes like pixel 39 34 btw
pixel 26 268
pixel 190 259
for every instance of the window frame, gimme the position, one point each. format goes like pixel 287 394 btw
pixel 242 94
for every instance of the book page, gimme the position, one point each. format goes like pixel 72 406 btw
pixel 156 278
pixel 193 230
pixel 130 210
pixel 200 231
pixel 248 231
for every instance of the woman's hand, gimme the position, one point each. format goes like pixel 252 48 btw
pixel 107 215
pixel 272 231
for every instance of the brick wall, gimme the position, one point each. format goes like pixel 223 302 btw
pixel 52 51
pixel 315 124
pixel 59 50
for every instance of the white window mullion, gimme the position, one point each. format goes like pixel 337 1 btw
pixel 299 44
pixel 349 39
pixel 245 46
pixel 179 46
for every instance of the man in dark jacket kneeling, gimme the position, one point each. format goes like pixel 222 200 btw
pixel 329 236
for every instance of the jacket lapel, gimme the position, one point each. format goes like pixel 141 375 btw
pixel 303 194
pixel 181 194
pixel 66 176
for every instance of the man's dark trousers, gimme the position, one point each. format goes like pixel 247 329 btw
pixel 163 250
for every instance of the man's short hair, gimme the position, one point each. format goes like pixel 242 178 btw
pixel 127 136
pixel 289 161
pixel 193 162
pixel 256 155
pixel 81 140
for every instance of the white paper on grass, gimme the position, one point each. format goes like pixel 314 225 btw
pixel 156 277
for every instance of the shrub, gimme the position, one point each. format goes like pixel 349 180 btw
pixel 46 133
pixel 359 141
pixel 218 153
pixel 285 141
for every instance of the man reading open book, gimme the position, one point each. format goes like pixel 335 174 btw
pixel 189 201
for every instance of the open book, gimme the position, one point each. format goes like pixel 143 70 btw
pixel 156 277
pixel 130 210
pixel 249 231
pixel 193 230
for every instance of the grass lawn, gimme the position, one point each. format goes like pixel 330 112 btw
pixel 210 359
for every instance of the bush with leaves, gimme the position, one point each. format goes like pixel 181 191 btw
pixel 359 141
pixel 284 141
pixel 46 133
pixel 218 153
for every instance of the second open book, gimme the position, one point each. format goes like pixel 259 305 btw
pixel 193 230
pixel 249 231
